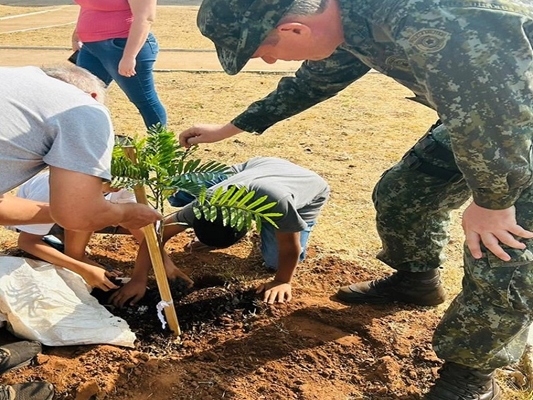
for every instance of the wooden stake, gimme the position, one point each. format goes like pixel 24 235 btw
pixel 154 249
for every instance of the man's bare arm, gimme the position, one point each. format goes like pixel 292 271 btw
pixel 17 211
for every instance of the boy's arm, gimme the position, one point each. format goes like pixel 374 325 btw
pixel 94 276
pixel 171 227
pixel 279 289
pixel 137 234
pixel 134 290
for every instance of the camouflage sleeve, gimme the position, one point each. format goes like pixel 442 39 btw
pixel 315 81
pixel 477 66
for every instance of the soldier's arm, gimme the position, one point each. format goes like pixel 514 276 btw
pixel 314 82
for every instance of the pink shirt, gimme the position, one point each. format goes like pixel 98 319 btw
pixel 103 19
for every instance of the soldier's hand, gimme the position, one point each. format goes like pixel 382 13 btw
pixel 207 133
pixel 492 227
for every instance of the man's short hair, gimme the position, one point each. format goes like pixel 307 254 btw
pixel 79 77
pixel 215 233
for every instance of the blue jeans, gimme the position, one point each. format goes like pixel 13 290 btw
pixel 102 59
pixel 269 244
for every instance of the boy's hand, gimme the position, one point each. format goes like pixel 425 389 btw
pixel 130 293
pixel 275 291
pixel 97 277
pixel 174 272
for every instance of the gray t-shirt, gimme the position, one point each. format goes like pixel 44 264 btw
pixel 44 121
pixel 299 192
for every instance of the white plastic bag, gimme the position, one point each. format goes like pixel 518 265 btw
pixel 53 306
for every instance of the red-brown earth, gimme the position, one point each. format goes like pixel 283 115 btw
pixel 233 346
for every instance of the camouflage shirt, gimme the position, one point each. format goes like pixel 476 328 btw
pixel 470 61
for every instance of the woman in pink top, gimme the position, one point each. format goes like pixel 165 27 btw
pixel 115 43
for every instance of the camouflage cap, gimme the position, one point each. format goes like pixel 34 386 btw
pixel 238 27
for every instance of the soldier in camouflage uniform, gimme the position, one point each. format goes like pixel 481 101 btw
pixel 470 61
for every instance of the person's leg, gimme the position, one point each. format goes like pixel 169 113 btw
pixel 138 234
pixel 88 59
pixel 487 324
pixel 459 382
pixel 18 354
pixel 413 201
pixel 269 246
pixel 55 238
pixel 27 391
pixel 304 239
pixel 140 88
pixel 181 197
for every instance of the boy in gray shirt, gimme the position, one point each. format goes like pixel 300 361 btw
pixel 299 194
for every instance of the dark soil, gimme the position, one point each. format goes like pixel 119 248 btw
pixel 211 305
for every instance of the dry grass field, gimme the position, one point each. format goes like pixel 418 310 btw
pixel 314 347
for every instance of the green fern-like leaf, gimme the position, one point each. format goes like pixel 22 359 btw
pixel 235 210
pixel 164 166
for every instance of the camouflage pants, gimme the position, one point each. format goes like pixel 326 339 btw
pixel 487 324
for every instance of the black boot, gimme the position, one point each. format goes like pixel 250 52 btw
pixel 457 382
pixel 421 288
